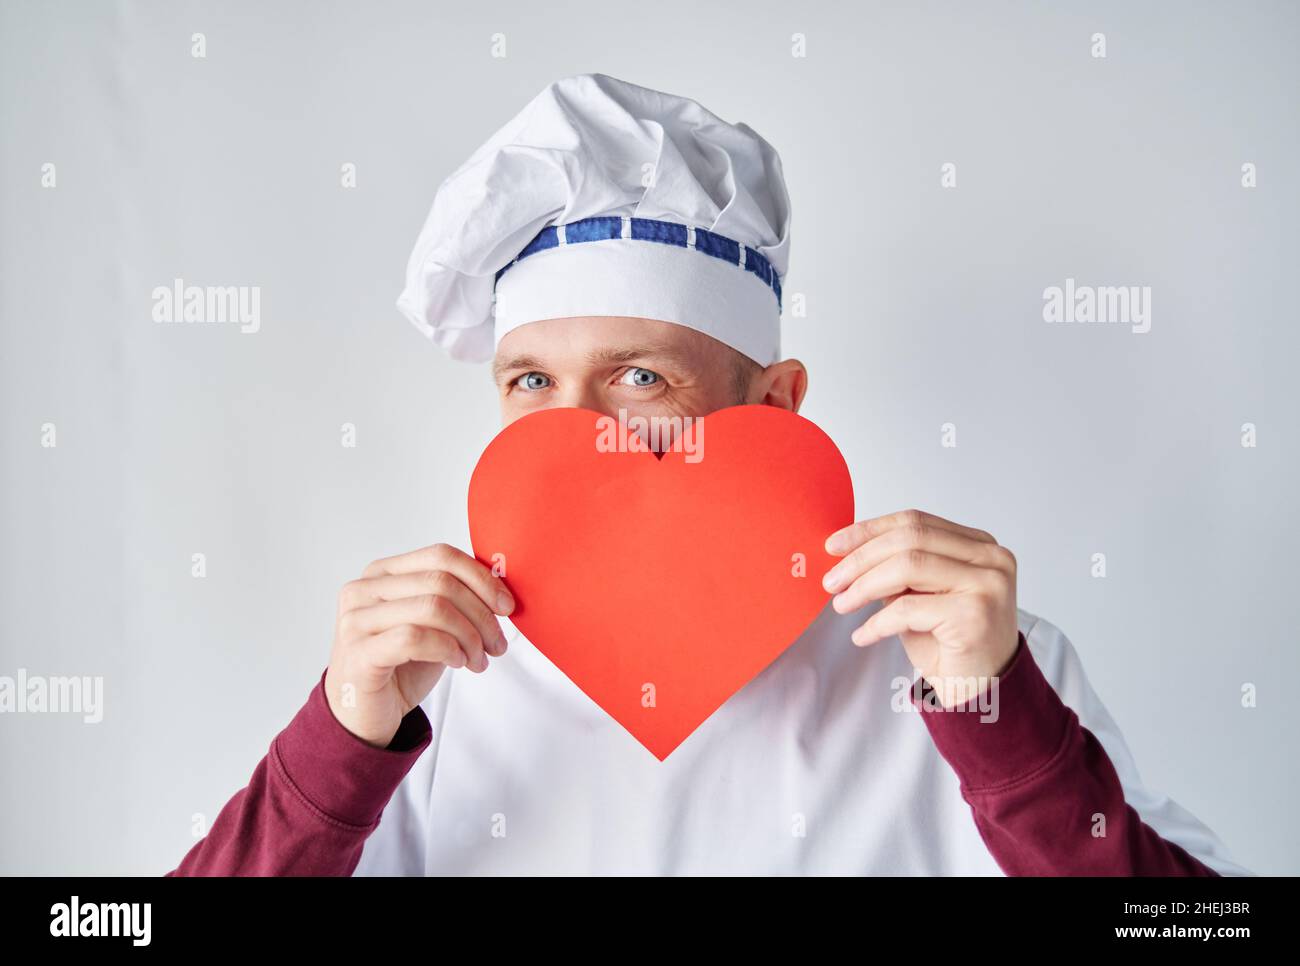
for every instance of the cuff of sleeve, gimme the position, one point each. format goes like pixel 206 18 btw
pixel 1017 728
pixel 336 772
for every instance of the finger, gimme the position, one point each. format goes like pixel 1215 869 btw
pixel 441 556
pixel 430 610
pixel 910 570
pixel 919 613
pixel 373 590
pixel 919 537
pixel 411 642
pixel 855 534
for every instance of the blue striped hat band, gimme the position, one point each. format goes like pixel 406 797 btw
pixel 605 227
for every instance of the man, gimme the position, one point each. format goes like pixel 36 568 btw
pixel 622 250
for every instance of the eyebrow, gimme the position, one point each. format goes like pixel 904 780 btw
pixel 654 350
pixel 500 366
pixel 649 351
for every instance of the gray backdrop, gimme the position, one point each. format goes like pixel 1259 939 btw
pixel 924 307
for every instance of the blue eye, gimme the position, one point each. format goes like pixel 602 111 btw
pixel 639 377
pixel 533 381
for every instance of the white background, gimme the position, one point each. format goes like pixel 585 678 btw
pixel 924 307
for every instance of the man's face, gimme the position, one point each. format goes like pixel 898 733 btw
pixel 642 366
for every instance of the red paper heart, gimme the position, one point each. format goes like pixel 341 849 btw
pixel 668 582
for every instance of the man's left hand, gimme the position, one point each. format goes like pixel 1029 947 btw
pixel 949 594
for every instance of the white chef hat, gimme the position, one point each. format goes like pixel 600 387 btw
pixel 553 217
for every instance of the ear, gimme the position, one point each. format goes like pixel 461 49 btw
pixel 782 384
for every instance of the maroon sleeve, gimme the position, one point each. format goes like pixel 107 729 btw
pixel 312 801
pixel 1034 777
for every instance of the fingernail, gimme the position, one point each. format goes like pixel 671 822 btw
pixel 832 579
pixel 505 603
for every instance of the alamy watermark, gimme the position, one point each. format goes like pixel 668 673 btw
pixel 75 918
pixel 1123 304
pixel 240 304
pixel 646 434
pixel 964 694
pixel 36 694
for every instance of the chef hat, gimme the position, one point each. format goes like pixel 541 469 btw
pixel 604 198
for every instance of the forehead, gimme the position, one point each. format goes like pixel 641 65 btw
pixel 602 339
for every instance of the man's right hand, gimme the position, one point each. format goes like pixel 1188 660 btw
pixel 407 619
